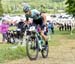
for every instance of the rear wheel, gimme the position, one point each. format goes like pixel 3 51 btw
pixel 32 49
pixel 45 51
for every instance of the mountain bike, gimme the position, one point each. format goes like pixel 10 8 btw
pixel 35 44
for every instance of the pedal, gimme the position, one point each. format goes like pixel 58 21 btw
pixel 44 47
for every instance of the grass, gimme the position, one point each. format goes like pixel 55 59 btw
pixel 8 53
pixel 72 36
pixel 61 36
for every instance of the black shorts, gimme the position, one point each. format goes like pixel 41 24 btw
pixel 38 22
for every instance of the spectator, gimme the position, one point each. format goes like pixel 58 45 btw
pixel 69 27
pixel 65 26
pixel 50 27
pixel 61 27
pixel 4 29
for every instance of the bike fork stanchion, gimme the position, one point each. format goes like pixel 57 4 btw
pixel 40 46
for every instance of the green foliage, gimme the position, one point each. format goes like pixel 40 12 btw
pixel 1 9
pixel 57 0
pixel 70 8
pixel 15 6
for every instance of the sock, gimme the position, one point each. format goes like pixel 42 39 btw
pixel 46 42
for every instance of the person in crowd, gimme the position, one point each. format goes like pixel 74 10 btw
pixel 52 28
pixel 65 26
pixel 49 26
pixel 4 27
pixel 49 29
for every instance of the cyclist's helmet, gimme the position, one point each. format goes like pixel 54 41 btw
pixel 26 8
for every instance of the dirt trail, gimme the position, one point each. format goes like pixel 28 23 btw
pixel 63 54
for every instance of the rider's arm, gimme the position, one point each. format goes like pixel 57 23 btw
pixel 36 12
pixel 44 17
pixel 27 18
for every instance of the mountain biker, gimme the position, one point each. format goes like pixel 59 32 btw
pixel 38 19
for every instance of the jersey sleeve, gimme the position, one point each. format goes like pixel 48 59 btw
pixel 37 12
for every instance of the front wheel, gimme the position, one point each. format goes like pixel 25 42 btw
pixel 32 49
pixel 11 40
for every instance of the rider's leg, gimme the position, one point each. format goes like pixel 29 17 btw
pixel 44 37
pixel 44 22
